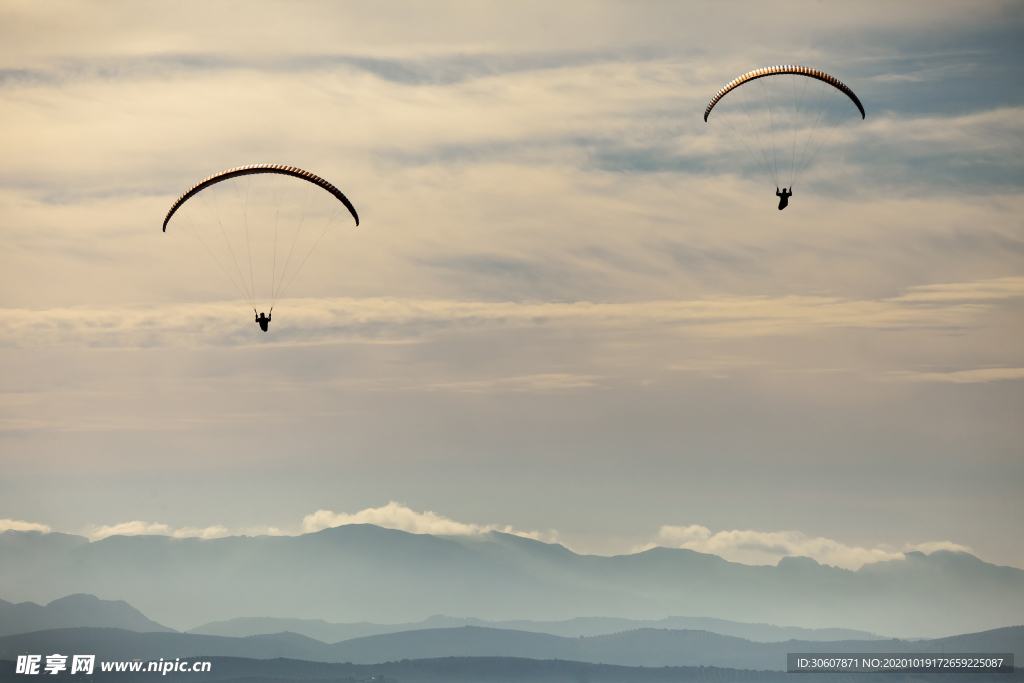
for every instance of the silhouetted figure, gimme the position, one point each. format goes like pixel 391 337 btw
pixel 783 197
pixel 263 320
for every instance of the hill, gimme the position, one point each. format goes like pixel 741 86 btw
pixel 467 669
pixel 364 572
pixel 643 647
pixel 571 628
pixel 73 611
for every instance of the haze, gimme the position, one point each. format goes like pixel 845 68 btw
pixel 568 311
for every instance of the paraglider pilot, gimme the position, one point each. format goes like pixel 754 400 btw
pixel 783 197
pixel 264 320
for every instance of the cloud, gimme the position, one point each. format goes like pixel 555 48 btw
pixel 981 291
pixel 959 376
pixel 136 528
pixel 758 547
pixel 718 366
pixel 932 546
pixel 216 531
pixel 18 525
pixel 32 33
pixel 996 130
pixel 397 516
pixel 140 528
pixel 746 547
pixel 377 320
pixel 535 383
pixel 266 531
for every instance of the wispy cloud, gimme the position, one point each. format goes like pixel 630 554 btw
pixel 759 547
pixel 19 525
pixel 391 516
pixel 994 130
pixel 958 376
pixel 551 382
pixel 718 366
pixel 745 547
pixel 397 516
pixel 140 528
pixel 984 290
pixel 392 320
pixel 931 546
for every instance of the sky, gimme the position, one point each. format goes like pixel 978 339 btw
pixel 571 309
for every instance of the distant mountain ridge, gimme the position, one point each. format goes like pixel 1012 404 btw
pixel 73 611
pixel 571 628
pixel 87 610
pixel 465 670
pixel 642 647
pixel 364 572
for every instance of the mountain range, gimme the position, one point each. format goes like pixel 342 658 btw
pixel 88 610
pixel 642 647
pixel 363 572
pixel 569 628
pixel 73 611
pixel 475 670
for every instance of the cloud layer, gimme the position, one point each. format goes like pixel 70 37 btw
pixel 757 547
pixel 19 525
pixel 139 528
pixel 397 516
pixel 950 307
pixel 745 547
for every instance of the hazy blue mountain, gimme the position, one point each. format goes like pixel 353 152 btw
pixel 359 571
pixel 642 647
pixel 363 572
pixel 470 670
pixel 493 670
pixel 318 629
pixel 71 612
pixel 570 628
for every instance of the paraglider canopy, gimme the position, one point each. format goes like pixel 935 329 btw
pixel 263 168
pixel 784 115
pixel 778 71
pixel 260 224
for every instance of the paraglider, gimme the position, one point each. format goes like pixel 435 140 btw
pixel 260 224
pixel 783 198
pixel 788 110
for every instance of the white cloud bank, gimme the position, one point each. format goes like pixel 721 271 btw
pixel 19 525
pixel 391 516
pixel 139 528
pixel 397 516
pixel 760 547
pixel 745 547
